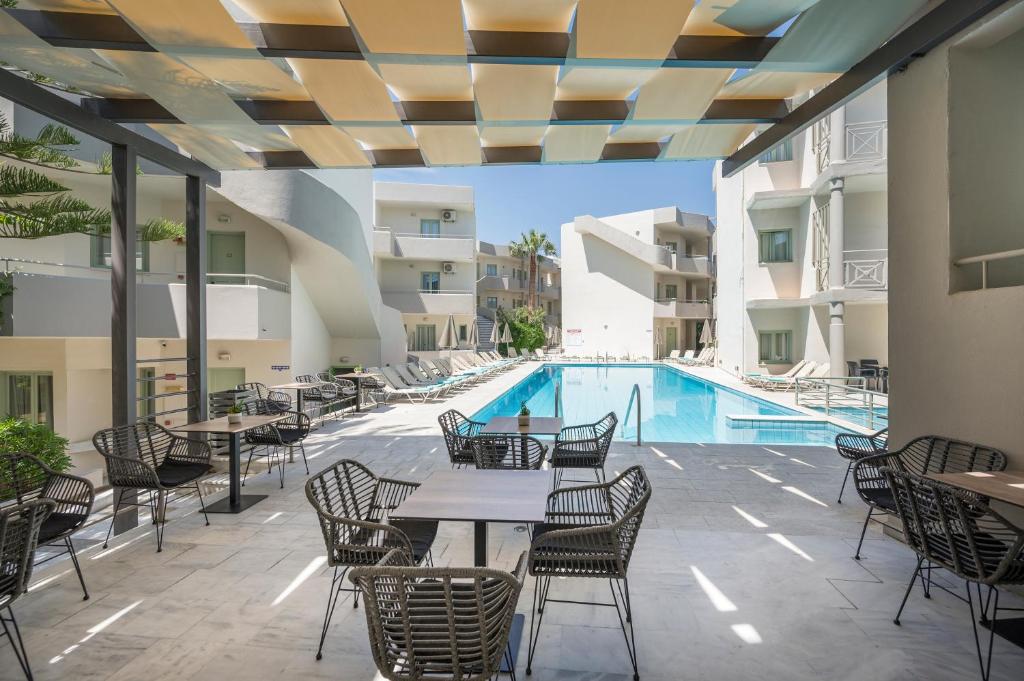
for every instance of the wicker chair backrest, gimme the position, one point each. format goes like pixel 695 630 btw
pixel 957 530
pixel 934 454
pixel 149 442
pixel 19 533
pixel 628 495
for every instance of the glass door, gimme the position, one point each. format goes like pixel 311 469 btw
pixel 430 228
pixel 27 396
pixel 430 282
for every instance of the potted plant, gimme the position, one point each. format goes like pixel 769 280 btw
pixel 234 414
pixel 524 415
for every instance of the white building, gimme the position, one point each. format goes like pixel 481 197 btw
pixel 802 248
pixel 636 284
pixel 503 282
pixel 291 290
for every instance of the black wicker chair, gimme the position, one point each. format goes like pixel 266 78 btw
pixel 854 447
pixel 458 433
pixel 352 505
pixel 19 532
pixel 276 438
pixel 345 390
pixel 315 398
pixel 24 477
pixel 928 454
pixel 277 400
pixel 441 624
pixel 147 456
pixel 590 533
pixel 508 452
pixel 584 446
pixel 956 530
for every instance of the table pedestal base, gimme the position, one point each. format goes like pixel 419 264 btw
pixel 244 502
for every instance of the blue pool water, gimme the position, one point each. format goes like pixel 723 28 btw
pixel 677 407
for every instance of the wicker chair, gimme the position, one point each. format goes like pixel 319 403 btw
pixel 275 437
pixel 278 401
pixel 928 454
pixel 314 397
pixel 584 446
pixel 458 431
pixel 854 447
pixel 445 623
pixel 24 477
pixel 352 505
pixel 508 452
pixel 956 530
pixel 19 531
pixel 590 533
pixel 147 456
pixel 345 390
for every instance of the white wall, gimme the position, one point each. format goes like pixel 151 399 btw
pixel 311 342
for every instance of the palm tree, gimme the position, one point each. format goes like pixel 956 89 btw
pixel 530 246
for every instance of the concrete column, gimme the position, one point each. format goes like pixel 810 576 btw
pixel 835 233
pixel 837 136
pixel 836 339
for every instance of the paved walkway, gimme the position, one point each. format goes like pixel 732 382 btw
pixel 743 570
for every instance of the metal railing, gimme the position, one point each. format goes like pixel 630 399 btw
pixel 867 140
pixel 821 136
pixel 868 268
pixel 432 292
pixel 633 395
pixel 844 397
pixel 558 400
pixel 986 258
pixel 420 235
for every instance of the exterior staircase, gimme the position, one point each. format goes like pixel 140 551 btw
pixel 484 325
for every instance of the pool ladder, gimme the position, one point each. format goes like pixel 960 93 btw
pixel 634 395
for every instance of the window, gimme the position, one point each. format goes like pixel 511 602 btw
pixel 775 245
pixel 671 291
pixel 426 338
pixel 783 152
pixel 27 396
pixel 774 347
pixel 492 302
pixel 430 228
pixel 463 332
pixel 492 270
pixel 100 253
pixel 672 246
pixel 430 282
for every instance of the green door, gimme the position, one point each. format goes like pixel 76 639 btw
pixel 671 338
pixel 224 378
pixel 225 255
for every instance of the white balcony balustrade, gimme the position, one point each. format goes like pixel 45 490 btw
pixel 439 302
pixel 866 269
pixel 866 141
pixel 673 308
pixel 417 246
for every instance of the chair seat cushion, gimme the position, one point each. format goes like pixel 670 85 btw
pixel 421 534
pixel 571 556
pixel 575 460
pixel 290 434
pixel 881 498
pixel 174 473
pixel 58 524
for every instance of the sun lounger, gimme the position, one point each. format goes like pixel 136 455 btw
pixel 754 377
pixel 396 385
pixel 785 382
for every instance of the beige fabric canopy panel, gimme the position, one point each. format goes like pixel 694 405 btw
pixel 359 83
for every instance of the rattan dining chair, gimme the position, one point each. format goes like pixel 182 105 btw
pixel 24 478
pixel 146 456
pixel 583 447
pixel 352 505
pixel 853 447
pixel 313 397
pixel 955 530
pixel 590 533
pixel 19 532
pixel 439 623
pixel 928 454
pixel 458 433
pixel 277 400
pixel 275 439
pixel 508 452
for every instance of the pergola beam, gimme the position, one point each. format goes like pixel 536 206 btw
pixel 943 22
pixel 112 32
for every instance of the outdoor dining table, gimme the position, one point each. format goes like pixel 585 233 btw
pixel 1007 487
pixel 357 378
pixel 298 387
pixel 481 497
pixel 236 502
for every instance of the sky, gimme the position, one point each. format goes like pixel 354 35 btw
pixel 513 199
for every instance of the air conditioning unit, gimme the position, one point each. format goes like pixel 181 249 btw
pixel 448 267
pixel 448 215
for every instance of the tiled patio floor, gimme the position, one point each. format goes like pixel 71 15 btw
pixel 243 598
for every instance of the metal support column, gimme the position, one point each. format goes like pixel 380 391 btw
pixel 122 320
pixel 195 296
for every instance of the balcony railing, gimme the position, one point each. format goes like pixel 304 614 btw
pixel 442 246
pixel 866 141
pixel 431 301
pixel 821 137
pixel 867 269
pixel 674 308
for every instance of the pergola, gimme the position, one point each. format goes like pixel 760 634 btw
pixel 255 84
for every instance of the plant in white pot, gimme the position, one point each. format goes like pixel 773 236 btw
pixel 524 414
pixel 234 414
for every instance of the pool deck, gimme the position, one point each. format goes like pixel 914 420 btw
pixel 244 597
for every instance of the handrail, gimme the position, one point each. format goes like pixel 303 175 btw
pixel 634 394
pixel 558 399
pixel 986 258
pixel 432 292
pixel 830 393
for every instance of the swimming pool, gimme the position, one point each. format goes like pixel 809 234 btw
pixel 676 407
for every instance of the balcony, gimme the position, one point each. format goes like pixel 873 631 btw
pixel 443 302
pixel 673 308
pixel 443 247
pixel 691 266
pixel 496 283
pixel 57 300
pixel 866 269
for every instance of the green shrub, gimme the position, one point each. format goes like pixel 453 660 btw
pixel 17 436
pixel 526 325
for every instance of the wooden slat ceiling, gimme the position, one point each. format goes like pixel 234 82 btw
pixel 364 83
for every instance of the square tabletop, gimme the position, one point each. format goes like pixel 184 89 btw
pixel 294 386
pixel 1006 487
pixel 354 374
pixel 479 495
pixel 221 425
pixel 539 425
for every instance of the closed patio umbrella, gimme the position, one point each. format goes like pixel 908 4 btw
pixel 493 340
pixel 506 337
pixel 449 336
pixel 474 335
pixel 705 333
